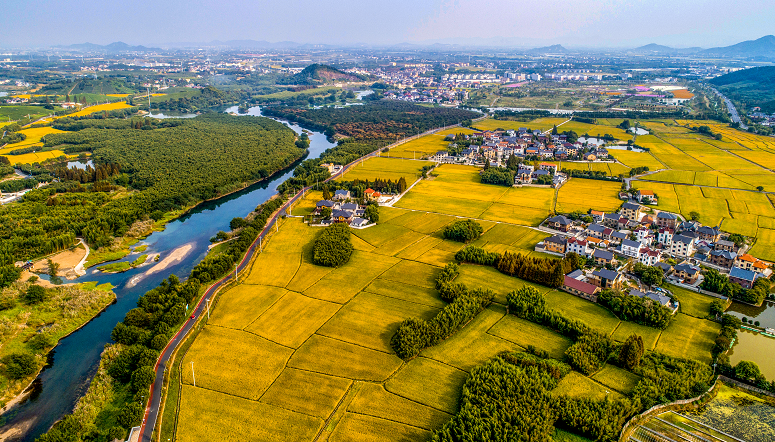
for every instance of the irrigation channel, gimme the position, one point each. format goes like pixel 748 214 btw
pixel 75 359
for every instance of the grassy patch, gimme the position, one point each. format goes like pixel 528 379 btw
pixel 616 378
pixel 688 337
pixel 588 312
pixel 576 385
pixel 525 333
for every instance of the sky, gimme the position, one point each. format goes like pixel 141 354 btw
pixel 512 23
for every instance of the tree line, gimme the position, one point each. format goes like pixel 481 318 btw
pixel 718 282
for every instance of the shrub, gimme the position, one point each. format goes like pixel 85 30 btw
pixel 463 230
pixel 34 294
pixel 631 352
pixel 142 378
pixel 19 365
pixel 40 342
pixel 131 415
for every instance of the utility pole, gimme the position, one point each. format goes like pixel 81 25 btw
pixel 193 376
pixel 208 299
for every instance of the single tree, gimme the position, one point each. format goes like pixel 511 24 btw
pixel 747 370
pixel 631 352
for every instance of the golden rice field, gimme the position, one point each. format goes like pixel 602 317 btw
pixel 99 108
pixel 385 168
pixel 581 194
pixel 299 352
pixel 425 146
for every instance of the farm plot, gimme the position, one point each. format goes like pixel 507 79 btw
pixel 576 385
pixel 764 248
pixel 588 312
pixel 668 154
pixel 617 379
pixel 239 419
pixel 427 145
pixel 668 199
pixel 689 337
pixel 293 319
pixel 373 400
pixel 525 333
pixel 430 383
pixel 385 169
pixel 581 194
pixel 306 392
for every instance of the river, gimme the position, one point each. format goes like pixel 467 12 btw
pixel 74 361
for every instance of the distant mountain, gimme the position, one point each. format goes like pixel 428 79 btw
pixel 113 47
pixel 321 74
pixel 553 49
pixel 762 48
pixel 655 49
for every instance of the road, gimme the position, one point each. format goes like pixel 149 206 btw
pixel 731 108
pixel 151 415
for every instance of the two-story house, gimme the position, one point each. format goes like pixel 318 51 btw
pixel 603 257
pixel 682 246
pixel 606 279
pixel 559 222
pixel 722 258
pixel 665 236
pixel 709 234
pixel 631 248
pixel 667 220
pixel 556 244
pixel 578 246
pixel 630 211
pixel 687 272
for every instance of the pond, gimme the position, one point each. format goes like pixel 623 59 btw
pixel 172 114
pixel 80 164
pixel 754 347
pixel 764 314
pixel 638 131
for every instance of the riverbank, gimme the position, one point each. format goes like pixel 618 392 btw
pixel 92 299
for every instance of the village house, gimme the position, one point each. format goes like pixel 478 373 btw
pixel 682 246
pixel 643 193
pixel 342 216
pixel 559 222
pixel 659 298
pixel 721 244
pixel 342 195
pixel 595 231
pixel 325 204
pixel 722 258
pixel 606 279
pixel 649 256
pixel 597 242
pixel 574 284
pixel 440 156
pixel 666 268
pixel 603 257
pixel 555 244
pixel 630 248
pixel 665 236
pixel 616 237
pixel 743 277
pixel 359 222
pixel 524 174
pixel 577 246
pixel 644 236
pixel 748 262
pixel 687 272
pixel 630 211
pixel 551 168
pixel 710 234
pixel 611 220
pixel 666 220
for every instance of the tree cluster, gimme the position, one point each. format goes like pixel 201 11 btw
pixel 498 176
pixel 642 311
pixel 333 247
pixel 465 231
pixel 717 282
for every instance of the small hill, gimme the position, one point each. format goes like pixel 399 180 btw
pixel 762 48
pixel 755 87
pixel 321 74
pixel 553 49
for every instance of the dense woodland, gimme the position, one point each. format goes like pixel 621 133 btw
pixel 168 169
pixel 379 120
pixel 333 247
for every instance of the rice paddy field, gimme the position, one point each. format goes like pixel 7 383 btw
pixel 385 168
pixel 427 145
pixel 581 194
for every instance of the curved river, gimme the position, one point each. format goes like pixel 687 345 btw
pixel 74 361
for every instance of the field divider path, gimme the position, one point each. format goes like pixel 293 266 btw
pixel 156 395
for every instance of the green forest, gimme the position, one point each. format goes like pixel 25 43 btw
pixel 385 120
pixel 164 169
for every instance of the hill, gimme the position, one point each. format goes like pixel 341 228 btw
pixel 754 87
pixel 553 49
pixel 762 48
pixel 321 74
pixel 657 49
pixel 115 47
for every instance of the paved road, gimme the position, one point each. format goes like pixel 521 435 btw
pixel 732 110
pixel 152 409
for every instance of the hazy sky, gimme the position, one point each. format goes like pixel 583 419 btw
pixel 609 23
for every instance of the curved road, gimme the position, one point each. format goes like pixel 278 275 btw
pixel 152 409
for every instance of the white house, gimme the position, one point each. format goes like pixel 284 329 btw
pixel 644 236
pixel 665 236
pixel 631 248
pixel 649 257
pixel 578 246
pixel 682 246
